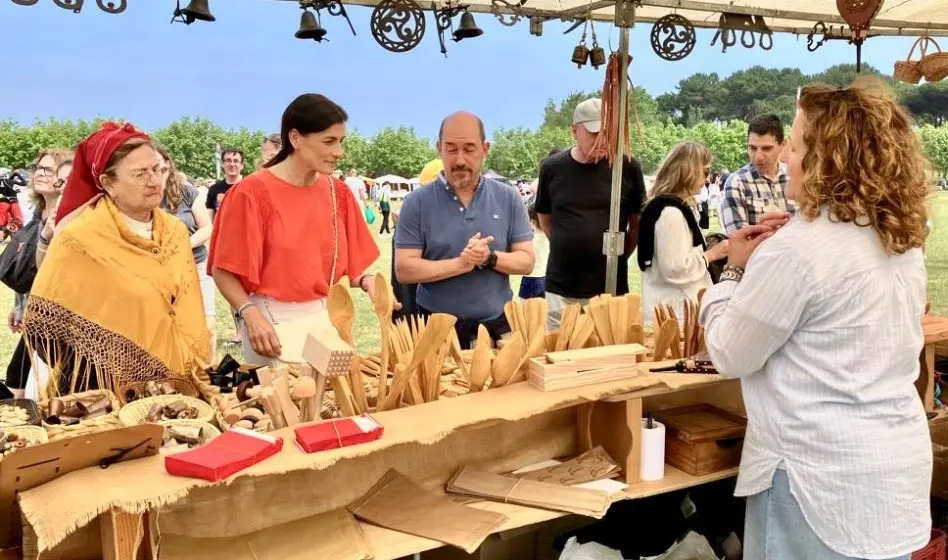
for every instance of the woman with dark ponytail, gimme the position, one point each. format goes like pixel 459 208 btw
pixel 288 232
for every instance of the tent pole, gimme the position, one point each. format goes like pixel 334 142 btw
pixel 614 239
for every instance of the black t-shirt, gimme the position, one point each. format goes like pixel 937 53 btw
pixel 215 194
pixel 577 197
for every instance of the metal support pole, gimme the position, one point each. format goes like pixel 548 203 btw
pixel 614 239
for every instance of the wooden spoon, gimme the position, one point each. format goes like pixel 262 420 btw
pixel 341 311
pixel 507 360
pixel 434 335
pixel 384 301
pixel 480 360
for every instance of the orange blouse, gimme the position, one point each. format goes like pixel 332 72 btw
pixel 278 238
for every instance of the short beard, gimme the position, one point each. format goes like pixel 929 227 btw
pixel 462 184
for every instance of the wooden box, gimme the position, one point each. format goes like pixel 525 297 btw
pixel 702 439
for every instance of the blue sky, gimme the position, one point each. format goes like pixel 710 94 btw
pixel 244 69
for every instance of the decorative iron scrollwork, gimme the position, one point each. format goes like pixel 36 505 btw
pixel 443 19
pixel 730 24
pixel 332 7
pixel 398 25
pixel 825 33
pixel 71 5
pixel 497 7
pixel 673 37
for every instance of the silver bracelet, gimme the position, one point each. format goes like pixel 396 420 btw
pixel 240 311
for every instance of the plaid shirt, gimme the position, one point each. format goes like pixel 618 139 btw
pixel 748 194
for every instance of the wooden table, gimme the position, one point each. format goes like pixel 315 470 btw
pixel 935 330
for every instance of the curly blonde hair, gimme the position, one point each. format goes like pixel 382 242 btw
pixel 863 163
pixel 681 170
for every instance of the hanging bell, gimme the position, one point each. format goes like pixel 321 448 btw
pixel 597 56
pixel 197 10
pixel 580 54
pixel 536 26
pixel 310 28
pixel 468 28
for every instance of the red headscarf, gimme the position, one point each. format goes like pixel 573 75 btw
pixel 89 163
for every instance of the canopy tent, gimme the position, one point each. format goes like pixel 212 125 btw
pixel 391 179
pixel 491 174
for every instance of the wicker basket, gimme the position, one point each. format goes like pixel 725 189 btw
pixel 33 434
pixel 137 412
pixel 102 423
pixel 934 66
pixel 32 411
pixel 181 385
pixel 209 431
pixel 909 70
pixel 934 550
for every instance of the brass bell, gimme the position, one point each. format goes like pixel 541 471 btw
pixel 597 56
pixel 468 28
pixel 197 10
pixel 310 28
pixel 536 26
pixel 580 54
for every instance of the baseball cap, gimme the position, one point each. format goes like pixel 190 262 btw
pixel 589 114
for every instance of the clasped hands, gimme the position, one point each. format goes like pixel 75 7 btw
pixel 743 242
pixel 477 251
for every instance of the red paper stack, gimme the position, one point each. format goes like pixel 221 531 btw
pixel 233 451
pixel 338 433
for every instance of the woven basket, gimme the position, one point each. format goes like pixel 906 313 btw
pixel 209 431
pixel 934 66
pixel 102 423
pixel 137 412
pixel 181 385
pixel 909 70
pixel 33 434
pixel 32 411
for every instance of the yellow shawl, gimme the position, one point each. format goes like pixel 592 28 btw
pixel 129 307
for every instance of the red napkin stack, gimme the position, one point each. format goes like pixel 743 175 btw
pixel 338 433
pixel 231 452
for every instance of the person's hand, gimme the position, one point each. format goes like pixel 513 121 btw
pixel 744 242
pixel 12 322
pixel 262 335
pixel 717 252
pixel 775 220
pixel 368 284
pixel 477 250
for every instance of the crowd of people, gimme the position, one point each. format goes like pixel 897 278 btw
pixel 816 306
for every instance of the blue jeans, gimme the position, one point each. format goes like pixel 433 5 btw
pixel 775 529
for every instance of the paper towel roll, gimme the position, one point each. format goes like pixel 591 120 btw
pixel 653 451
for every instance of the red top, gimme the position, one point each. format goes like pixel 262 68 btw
pixel 278 238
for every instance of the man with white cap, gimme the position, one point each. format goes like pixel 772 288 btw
pixel 573 202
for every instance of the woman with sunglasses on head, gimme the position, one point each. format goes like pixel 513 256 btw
pixel 821 319
pixel 672 252
pixel 182 200
pixel 117 298
pixel 288 232
pixel 46 185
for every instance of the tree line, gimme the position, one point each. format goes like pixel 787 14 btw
pixel 704 107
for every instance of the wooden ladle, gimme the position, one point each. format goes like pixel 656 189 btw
pixel 341 315
pixel 384 302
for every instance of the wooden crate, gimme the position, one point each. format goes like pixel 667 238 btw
pixel 702 439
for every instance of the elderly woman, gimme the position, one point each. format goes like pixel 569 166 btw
pixel 672 253
pixel 289 231
pixel 117 298
pixel 824 329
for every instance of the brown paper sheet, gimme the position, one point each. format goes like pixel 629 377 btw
pixel 397 503
pixel 334 534
pixel 513 490
pixel 594 464
pixel 60 507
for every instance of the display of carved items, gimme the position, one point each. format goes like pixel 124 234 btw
pixel 730 24
pixel 398 25
pixel 673 37
pixel 859 14
pixel 497 7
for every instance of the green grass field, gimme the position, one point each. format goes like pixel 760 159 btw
pixel 366 331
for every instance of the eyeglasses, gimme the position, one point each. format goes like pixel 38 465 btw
pixel 144 176
pixel 233 160
pixel 43 170
pixel 164 169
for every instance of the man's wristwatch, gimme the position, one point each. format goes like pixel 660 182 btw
pixel 731 272
pixel 491 261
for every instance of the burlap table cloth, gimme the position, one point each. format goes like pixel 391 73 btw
pixel 295 485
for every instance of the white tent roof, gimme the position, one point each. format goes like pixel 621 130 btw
pixel 391 179
pixel 897 17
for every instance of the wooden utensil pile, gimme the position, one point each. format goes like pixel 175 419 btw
pixel 283 398
pixel 420 348
pixel 685 338
pixel 605 321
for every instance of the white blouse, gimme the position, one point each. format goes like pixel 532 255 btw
pixel 679 269
pixel 825 330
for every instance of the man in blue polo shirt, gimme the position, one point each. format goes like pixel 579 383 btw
pixel 462 236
